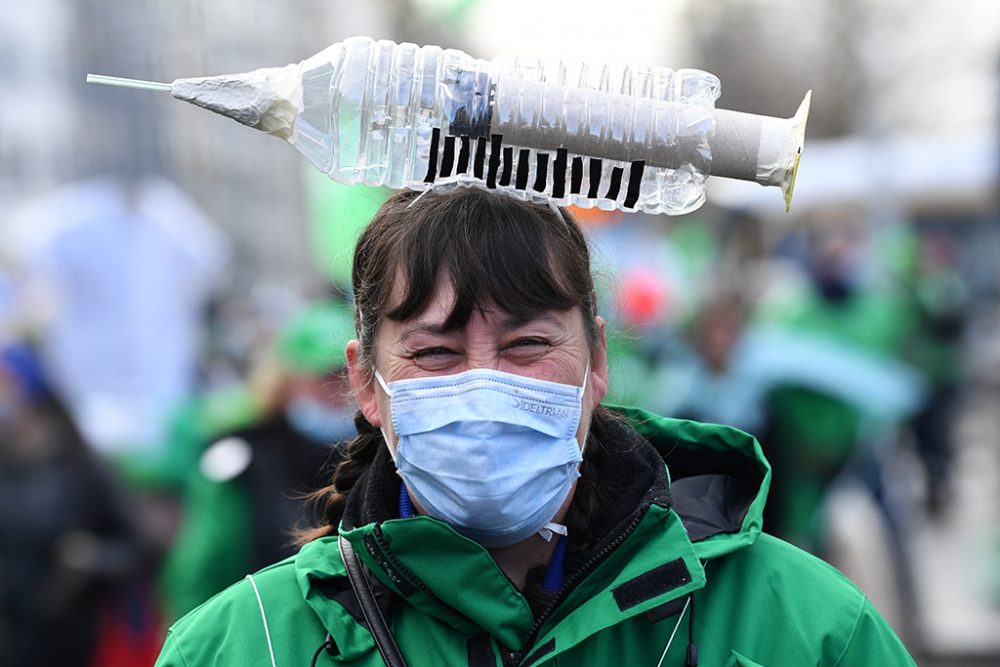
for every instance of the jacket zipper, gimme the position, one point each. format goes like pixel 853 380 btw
pixel 515 657
pixel 413 579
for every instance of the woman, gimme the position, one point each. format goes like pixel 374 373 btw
pixel 500 514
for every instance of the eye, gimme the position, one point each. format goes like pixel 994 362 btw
pixel 526 348
pixel 528 342
pixel 432 353
pixel 434 358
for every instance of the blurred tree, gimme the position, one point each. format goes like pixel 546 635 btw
pixel 870 64
pixel 765 67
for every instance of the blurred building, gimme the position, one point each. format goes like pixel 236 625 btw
pixel 58 129
pixel 38 115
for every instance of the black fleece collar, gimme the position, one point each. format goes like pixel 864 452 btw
pixel 375 496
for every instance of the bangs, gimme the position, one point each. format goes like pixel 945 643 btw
pixel 497 252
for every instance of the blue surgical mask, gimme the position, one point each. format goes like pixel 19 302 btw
pixel 490 453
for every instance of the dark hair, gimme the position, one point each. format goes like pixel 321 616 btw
pixel 520 257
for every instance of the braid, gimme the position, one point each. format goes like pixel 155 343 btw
pixel 328 502
pixel 589 495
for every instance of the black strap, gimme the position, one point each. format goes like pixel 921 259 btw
pixel 384 640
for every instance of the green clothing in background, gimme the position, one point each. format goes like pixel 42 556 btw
pixel 213 548
pixel 242 505
pixel 812 433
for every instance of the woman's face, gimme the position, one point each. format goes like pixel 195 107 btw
pixel 551 346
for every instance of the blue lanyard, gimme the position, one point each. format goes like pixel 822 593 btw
pixel 555 573
pixel 405 506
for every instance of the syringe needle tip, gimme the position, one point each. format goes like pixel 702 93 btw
pixel 127 83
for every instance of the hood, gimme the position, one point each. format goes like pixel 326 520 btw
pixel 719 478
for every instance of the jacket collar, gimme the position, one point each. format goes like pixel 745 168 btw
pixel 648 559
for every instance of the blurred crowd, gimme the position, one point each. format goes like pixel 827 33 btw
pixel 159 436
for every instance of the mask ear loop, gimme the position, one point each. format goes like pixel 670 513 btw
pixel 586 375
pixel 385 436
pixel 382 382
pixel 583 391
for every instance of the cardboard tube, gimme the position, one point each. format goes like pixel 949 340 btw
pixel 665 134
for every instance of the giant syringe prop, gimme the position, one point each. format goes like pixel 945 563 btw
pixel 404 116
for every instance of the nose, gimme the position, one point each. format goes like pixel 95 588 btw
pixel 482 354
pixel 484 361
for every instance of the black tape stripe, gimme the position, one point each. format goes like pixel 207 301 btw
pixel 559 174
pixel 542 173
pixel 508 165
pixel 477 169
pixel 523 159
pixel 634 181
pixel 576 176
pixel 432 159
pixel 616 183
pixel 491 174
pixel 448 159
pixel 463 156
pixel 595 178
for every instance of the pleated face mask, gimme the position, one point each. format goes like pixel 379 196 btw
pixel 492 454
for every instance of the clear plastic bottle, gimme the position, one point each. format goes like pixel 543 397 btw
pixel 405 116
pixel 401 115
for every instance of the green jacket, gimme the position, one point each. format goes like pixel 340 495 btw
pixel 757 600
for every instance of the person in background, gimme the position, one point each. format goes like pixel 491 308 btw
pixel 844 323
pixel 244 501
pixel 491 511
pixel 941 298
pixel 68 545
pixel 835 423
pixel 721 384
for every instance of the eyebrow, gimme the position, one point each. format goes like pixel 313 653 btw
pixel 515 322
pixel 424 328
